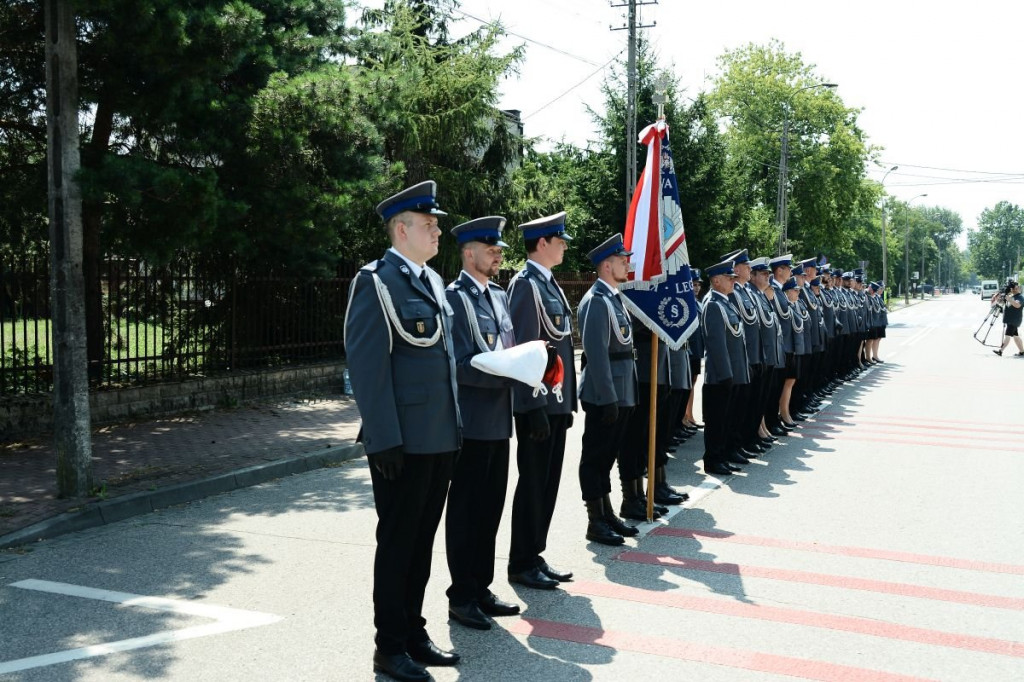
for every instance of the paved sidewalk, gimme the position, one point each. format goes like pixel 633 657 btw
pixel 138 467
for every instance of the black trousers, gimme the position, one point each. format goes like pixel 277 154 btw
pixel 749 411
pixel 771 410
pixel 475 502
pixel 408 513
pixel 633 451
pixel 717 406
pixel 766 384
pixel 601 443
pixel 540 471
pixel 677 399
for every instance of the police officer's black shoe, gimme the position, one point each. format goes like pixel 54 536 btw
pixel 617 524
pixel 399 667
pixel 427 653
pixel 598 529
pixel 554 573
pixel 717 469
pixel 634 502
pixel 493 606
pixel 733 457
pixel 469 615
pixel 533 577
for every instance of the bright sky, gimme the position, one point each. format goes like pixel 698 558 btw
pixel 938 83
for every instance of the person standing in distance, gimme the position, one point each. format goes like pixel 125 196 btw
pixel 398 343
pixel 1012 314
pixel 477 494
pixel 608 388
pixel 540 310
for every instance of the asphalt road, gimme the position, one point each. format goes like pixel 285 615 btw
pixel 885 540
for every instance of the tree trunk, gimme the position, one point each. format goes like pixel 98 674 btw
pixel 70 381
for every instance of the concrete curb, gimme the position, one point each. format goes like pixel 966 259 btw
pixel 135 504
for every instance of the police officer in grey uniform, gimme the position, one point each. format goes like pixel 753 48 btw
pixel 828 310
pixel 772 352
pixel 781 268
pixel 608 388
pixel 744 433
pixel 477 495
pixel 726 366
pixel 398 342
pixel 540 310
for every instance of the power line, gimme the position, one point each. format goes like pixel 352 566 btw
pixel 947 170
pixel 527 39
pixel 599 70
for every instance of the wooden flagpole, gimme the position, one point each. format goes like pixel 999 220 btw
pixel 652 424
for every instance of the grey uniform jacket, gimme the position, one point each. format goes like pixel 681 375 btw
pixel 724 347
pixel 772 352
pixel 400 359
pixel 843 313
pixel 784 312
pixel 642 340
pixel 551 322
pixel 800 320
pixel 828 310
pixel 485 400
pixel 679 376
pixel 610 374
pixel 814 322
pixel 743 300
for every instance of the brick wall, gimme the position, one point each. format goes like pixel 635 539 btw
pixel 33 416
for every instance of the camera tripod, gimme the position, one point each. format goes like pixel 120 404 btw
pixel 993 315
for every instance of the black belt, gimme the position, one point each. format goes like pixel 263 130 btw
pixel 626 355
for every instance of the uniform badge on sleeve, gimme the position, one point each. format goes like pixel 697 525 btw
pixel 622 330
pixel 490 339
pixel 421 326
pixel 558 320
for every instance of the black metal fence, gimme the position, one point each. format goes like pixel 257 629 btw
pixel 173 322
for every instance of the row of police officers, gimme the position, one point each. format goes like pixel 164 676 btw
pixel 437 429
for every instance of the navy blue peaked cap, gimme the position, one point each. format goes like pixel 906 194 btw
pixel 419 198
pixel 612 246
pixel 486 230
pixel 548 226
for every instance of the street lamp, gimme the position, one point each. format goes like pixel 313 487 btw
pixel 782 199
pixel 885 244
pixel 906 254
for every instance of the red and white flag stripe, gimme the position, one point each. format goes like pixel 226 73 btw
pixel 643 223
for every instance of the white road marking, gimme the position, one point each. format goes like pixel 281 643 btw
pixel 918 336
pixel 228 619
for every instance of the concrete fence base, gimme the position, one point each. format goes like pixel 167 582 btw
pixel 22 416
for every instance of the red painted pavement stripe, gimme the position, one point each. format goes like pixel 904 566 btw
pixel 915 424
pixel 917 418
pixel 844 582
pixel 860 552
pixel 701 653
pixel 908 430
pixel 863 626
pixel 850 435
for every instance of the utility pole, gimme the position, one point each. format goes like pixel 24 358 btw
pixel 67 285
pixel 631 133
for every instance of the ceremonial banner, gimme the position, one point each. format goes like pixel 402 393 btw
pixel 660 293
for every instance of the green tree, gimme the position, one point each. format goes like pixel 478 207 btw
pixel 22 128
pixel 997 244
pixel 435 103
pixel 760 86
